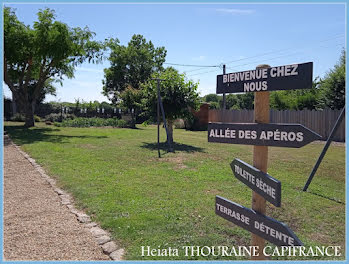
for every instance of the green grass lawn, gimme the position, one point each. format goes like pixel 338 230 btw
pixel 117 178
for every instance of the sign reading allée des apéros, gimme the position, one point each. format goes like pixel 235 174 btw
pixel 278 135
pixel 287 77
pixel 258 181
pixel 266 227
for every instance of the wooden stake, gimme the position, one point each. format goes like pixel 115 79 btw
pixel 260 161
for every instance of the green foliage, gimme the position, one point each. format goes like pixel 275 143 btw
pixel 231 101
pixel 333 86
pixel 146 123
pixel 37 118
pixel 131 65
pixel 280 100
pixel 57 117
pixel 214 105
pixel 35 57
pixel 94 122
pixel 18 117
pixel 131 99
pixel 245 101
pixel 296 99
pixel 211 98
pixel 177 94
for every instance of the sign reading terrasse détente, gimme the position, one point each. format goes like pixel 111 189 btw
pixel 287 77
pixel 266 227
pixel 258 181
pixel 279 135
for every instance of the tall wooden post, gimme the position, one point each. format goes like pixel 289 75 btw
pixel 260 160
pixel 224 98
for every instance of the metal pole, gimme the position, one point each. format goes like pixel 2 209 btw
pixel 158 116
pixel 329 140
pixel 164 119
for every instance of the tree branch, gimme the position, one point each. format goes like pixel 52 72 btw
pixel 6 77
pixel 22 75
pixel 29 70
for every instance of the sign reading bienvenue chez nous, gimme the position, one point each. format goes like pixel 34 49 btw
pixel 279 135
pixel 258 181
pixel 287 77
pixel 266 227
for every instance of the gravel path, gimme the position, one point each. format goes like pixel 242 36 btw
pixel 37 226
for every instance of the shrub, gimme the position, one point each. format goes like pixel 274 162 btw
pixel 18 117
pixel 37 118
pixel 122 123
pixel 146 123
pixel 94 122
pixel 179 123
pixel 58 117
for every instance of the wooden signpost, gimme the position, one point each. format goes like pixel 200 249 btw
pixel 266 227
pixel 261 134
pixel 287 77
pixel 258 181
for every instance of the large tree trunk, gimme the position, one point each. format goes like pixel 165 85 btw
pixel 14 104
pixel 170 130
pixel 29 114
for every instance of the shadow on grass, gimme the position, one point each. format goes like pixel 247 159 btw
pixel 23 135
pixel 326 197
pixel 175 146
pixel 300 189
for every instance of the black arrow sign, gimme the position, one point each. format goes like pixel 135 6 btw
pixel 266 227
pixel 287 77
pixel 260 182
pixel 278 135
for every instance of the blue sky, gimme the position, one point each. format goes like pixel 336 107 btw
pixel 240 35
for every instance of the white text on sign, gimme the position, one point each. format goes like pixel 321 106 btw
pixel 258 75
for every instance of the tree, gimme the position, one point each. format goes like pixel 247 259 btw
pixel 214 105
pixel 333 86
pixel 131 65
pixel 177 93
pixel 245 101
pixel 48 88
pixel 296 99
pixel 231 101
pixel 212 98
pixel 48 50
pixel 132 99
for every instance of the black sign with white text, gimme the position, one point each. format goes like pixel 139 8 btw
pixel 266 227
pixel 287 77
pixel 258 181
pixel 278 135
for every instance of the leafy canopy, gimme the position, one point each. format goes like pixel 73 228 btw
pixel 131 65
pixel 49 50
pixel 177 94
pixel 333 86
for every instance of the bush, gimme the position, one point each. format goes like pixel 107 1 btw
pixel 146 123
pixel 121 123
pixel 37 118
pixel 18 117
pixel 58 117
pixel 93 122
pixel 179 123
